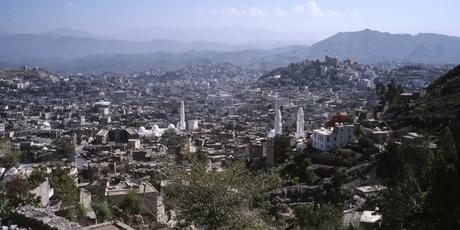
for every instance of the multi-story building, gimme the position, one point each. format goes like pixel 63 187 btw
pixel 325 139
pixel 333 61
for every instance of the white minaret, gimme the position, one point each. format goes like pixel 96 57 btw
pixel 182 125
pixel 278 123
pixel 300 133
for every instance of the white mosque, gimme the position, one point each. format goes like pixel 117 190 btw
pixel 155 131
pixel 158 132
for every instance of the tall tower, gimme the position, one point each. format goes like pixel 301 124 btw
pixel 182 125
pixel 278 123
pixel 300 133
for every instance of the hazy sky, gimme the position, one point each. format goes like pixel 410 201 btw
pixel 319 18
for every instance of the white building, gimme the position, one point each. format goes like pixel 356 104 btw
pixel 300 132
pixel 370 217
pixel 278 123
pixel 325 139
pixel 182 126
pixel 192 125
pixel 278 129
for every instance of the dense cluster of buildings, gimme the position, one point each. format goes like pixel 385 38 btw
pixel 128 130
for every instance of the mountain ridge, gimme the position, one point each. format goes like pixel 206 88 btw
pixel 54 49
pixel 132 63
pixel 373 46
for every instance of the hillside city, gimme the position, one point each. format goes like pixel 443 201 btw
pixel 229 115
pixel 192 147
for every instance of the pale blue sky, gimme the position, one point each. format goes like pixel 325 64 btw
pixel 319 18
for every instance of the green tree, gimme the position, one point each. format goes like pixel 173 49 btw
pixel 201 156
pixel 441 207
pixel 410 173
pixel 390 164
pixel 442 203
pixel 403 202
pixel 14 194
pixel 380 90
pixel 103 211
pixel 393 92
pixel 37 177
pixel 333 191
pixel 422 162
pixel 8 158
pixel 132 203
pixel 447 148
pixel 418 157
pixel 64 186
pixel 297 167
pixel 212 200
pixel 282 149
pixel 322 217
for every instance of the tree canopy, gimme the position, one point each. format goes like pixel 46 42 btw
pixel 230 199
pixel 389 94
pixel 423 186
pixel 132 203
pixel 102 210
pixel 318 217
pixel 8 157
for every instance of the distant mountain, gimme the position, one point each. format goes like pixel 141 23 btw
pixel 255 37
pixel 2 33
pixel 373 46
pixel 438 108
pixel 48 46
pixel 69 32
pixel 59 51
pixel 66 49
pixel 122 63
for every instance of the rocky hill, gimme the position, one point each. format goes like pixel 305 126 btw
pixel 301 73
pixel 315 74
